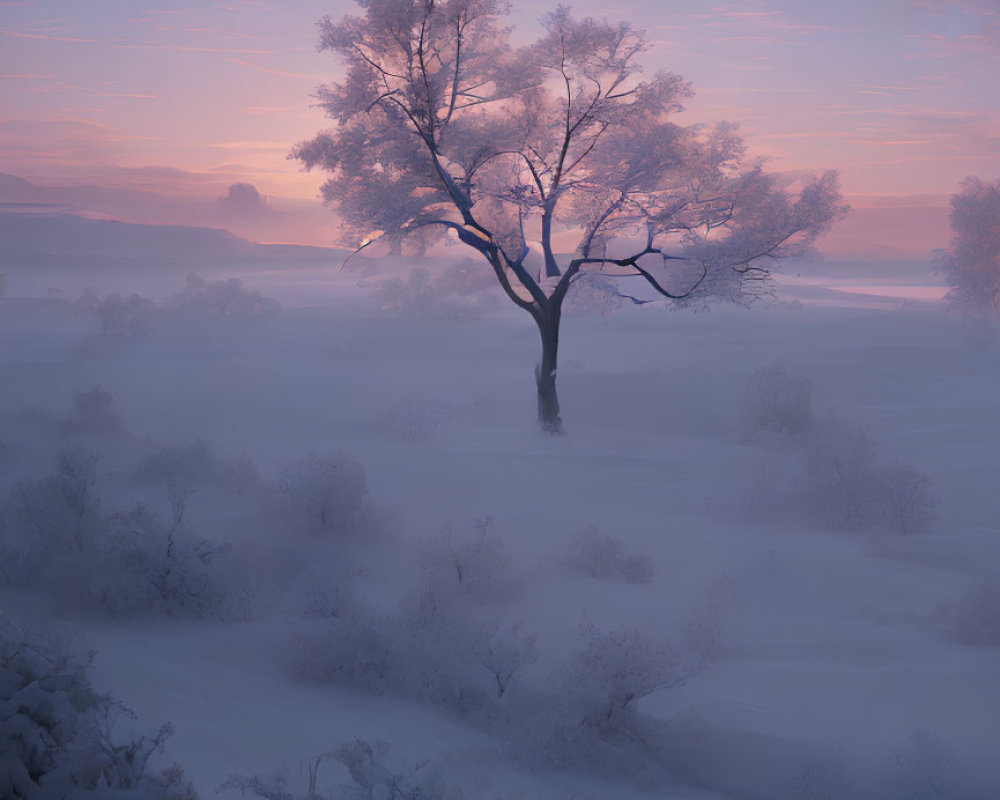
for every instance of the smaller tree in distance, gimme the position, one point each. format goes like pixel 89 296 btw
pixel 547 160
pixel 972 263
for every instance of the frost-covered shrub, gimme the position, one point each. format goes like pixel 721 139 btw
pixel 221 298
pixel 842 482
pixel 927 769
pixel 975 618
pixel 58 538
pixel 416 420
pixel 325 493
pixel 834 475
pixel 820 778
pixel 474 566
pixel 775 401
pixel 506 652
pixel 52 519
pixel 904 497
pixel 125 316
pixel 93 411
pixel 980 333
pixel 461 291
pixel 355 645
pixel 605 680
pixel 837 473
pixel 437 647
pixel 595 555
pixel 147 567
pixel 58 736
pixel 196 464
pixel 371 778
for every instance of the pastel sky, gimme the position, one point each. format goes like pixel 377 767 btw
pixel 177 99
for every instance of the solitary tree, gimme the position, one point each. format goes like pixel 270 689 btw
pixel 972 263
pixel 548 159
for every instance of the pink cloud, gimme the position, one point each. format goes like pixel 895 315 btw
pixel 270 71
pixel 22 35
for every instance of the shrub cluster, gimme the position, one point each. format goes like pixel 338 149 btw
pixel 59 537
pixel 594 555
pixel 837 476
pixel 58 736
pixel 134 316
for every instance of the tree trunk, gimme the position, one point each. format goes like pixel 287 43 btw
pixel 545 372
pixel 551 267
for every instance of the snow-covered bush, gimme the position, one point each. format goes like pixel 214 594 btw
pixel 904 497
pixel 420 652
pixel 980 333
pixel 605 680
pixel 775 401
pixel 58 538
pixel 975 618
pixel 354 645
pixel 371 778
pixel 819 778
pixel 837 469
pixel 459 292
pixel 57 734
pixel 145 566
pixel 221 298
pixel 926 768
pixel 416 420
pixel 93 412
pixel 197 464
pixel 473 567
pixel 506 652
pixel 441 645
pixel 842 482
pixel 125 316
pixel 51 520
pixel 325 494
pixel 595 555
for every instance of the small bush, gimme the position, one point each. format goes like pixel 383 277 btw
pixel 975 619
pixel 93 411
pixel 146 567
pixel 506 653
pixel 416 420
pixel 926 769
pixel 905 497
pixel 325 494
pixel 124 316
pixel 842 482
pixel 52 519
pixel 775 401
pixel 196 464
pixel 222 298
pixel 371 778
pixel 595 555
pixel 838 460
pixel 459 292
pixel 356 646
pixel 58 736
pixel 60 539
pixel 605 681
pixel 474 567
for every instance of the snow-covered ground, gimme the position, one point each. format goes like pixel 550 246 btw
pixel 833 660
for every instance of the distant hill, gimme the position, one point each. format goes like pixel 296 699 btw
pixel 45 236
pixel 288 219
